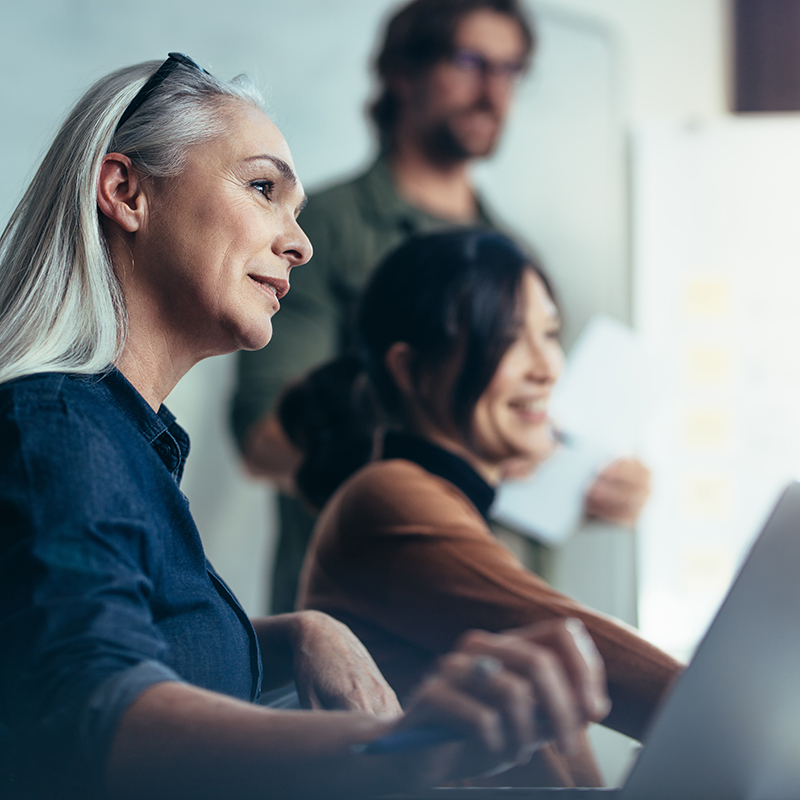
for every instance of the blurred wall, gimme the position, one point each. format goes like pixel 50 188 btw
pixel 675 54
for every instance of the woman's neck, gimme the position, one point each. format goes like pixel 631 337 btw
pixel 151 366
pixel 489 471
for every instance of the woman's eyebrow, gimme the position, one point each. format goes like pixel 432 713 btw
pixel 285 170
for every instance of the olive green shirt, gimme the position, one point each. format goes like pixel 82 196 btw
pixel 351 225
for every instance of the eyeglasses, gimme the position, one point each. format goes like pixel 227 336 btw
pixel 154 81
pixel 473 64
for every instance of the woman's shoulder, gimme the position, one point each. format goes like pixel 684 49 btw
pixel 50 400
pixel 59 416
pixel 43 390
pixel 395 475
pixel 41 387
pixel 58 400
pixel 397 490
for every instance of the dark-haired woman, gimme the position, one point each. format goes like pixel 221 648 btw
pixel 459 343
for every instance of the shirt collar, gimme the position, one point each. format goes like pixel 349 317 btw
pixel 443 463
pixel 169 440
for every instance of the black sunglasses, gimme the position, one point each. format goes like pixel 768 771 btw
pixel 154 81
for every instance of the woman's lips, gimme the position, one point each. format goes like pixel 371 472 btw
pixel 532 409
pixel 277 287
pixel 531 403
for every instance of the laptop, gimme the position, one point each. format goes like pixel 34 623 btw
pixel 730 727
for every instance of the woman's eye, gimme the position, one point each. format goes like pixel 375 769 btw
pixel 265 187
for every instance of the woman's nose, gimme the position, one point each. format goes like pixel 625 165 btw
pixel 294 245
pixel 546 362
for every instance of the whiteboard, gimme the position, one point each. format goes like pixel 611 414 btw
pixel 717 282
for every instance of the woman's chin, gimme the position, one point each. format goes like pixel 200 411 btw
pixel 537 449
pixel 254 338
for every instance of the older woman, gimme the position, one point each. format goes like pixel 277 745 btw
pixel 459 343
pixel 161 229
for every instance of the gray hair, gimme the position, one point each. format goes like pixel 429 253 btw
pixel 61 305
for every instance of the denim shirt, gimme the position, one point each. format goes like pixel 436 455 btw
pixel 104 586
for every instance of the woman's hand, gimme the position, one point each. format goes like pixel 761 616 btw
pixel 506 694
pixel 329 665
pixel 619 492
pixel 333 670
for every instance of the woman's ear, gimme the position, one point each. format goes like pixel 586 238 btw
pixel 119 192
pixel 399 362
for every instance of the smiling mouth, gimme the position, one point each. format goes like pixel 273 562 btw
pixel 275 286
pixel 531 406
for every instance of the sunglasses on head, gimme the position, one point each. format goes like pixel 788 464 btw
pixel 154 81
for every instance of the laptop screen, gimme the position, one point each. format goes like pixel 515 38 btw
pixel 730 727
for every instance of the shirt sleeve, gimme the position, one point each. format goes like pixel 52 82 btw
pixel 79 642
pixel 306 330
pixel 414 557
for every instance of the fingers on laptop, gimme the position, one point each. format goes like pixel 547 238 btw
pixel 562 674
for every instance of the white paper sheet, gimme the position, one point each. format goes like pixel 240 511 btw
pixel 548 506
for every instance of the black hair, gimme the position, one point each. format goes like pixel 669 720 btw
pixel 454 298
pixel 331 416
pixel 420 34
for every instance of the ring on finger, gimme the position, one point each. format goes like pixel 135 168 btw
pixel 484 668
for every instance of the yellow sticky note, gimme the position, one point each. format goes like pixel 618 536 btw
pixel 708 365
pixel 708 297
pixel 707 429
pixel 707 496
pixel 706 567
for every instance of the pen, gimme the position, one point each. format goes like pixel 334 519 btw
pixel 429 735
pixel 409 739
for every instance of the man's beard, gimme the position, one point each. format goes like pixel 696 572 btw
pixel 446 144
